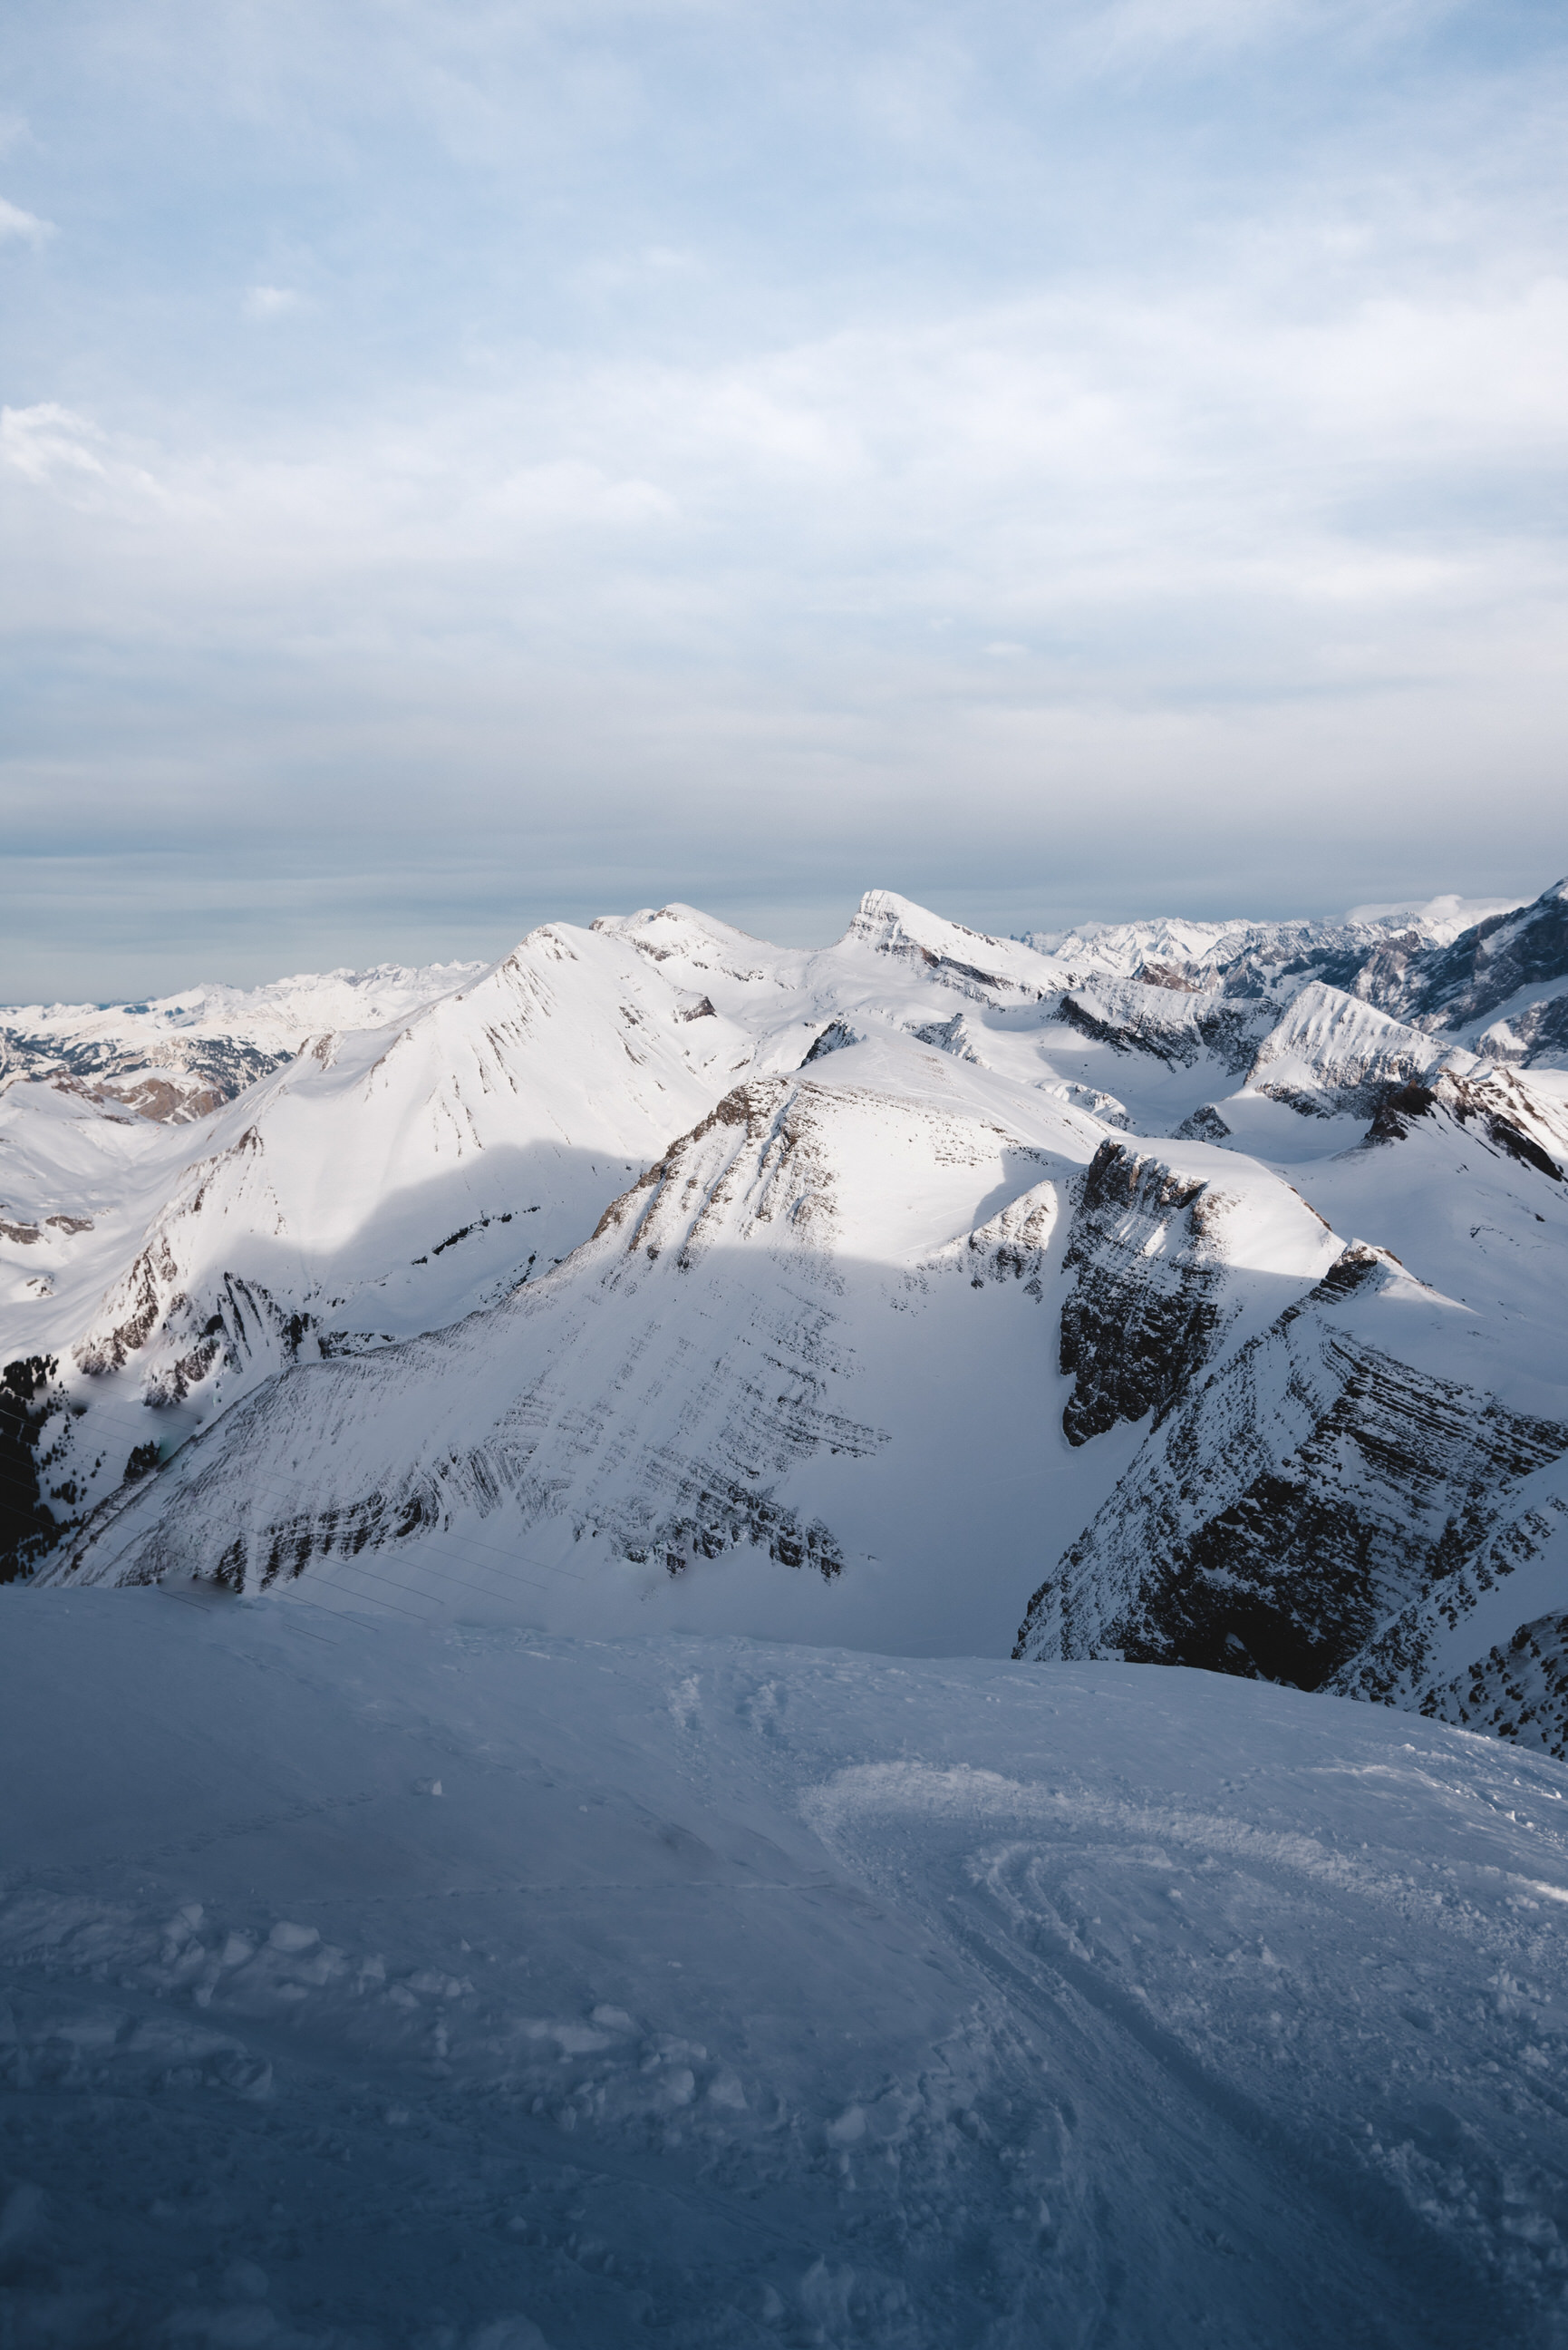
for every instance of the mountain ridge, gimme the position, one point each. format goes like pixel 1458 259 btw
pixel 862 1285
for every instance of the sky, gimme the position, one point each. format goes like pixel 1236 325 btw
pixel 467 464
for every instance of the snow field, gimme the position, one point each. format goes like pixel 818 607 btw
pixel 468 1987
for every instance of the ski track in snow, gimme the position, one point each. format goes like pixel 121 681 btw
pixel 472 1988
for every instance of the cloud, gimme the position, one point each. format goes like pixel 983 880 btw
pixel 1140 36
pixel 569 492
pixel 270 301
pixel 1157 503
pixel 22 227
pixel 69 457
pixel 46 441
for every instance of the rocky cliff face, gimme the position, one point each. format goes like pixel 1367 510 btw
pixel 28 1403
pixel 1140 1316
pixel 1466 984
pixel 1172 1020
pixel 1169 1264
pixel 1317 1487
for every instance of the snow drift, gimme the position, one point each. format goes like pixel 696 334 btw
pixel 360 1985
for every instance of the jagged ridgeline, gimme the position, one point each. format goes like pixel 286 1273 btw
pixel 1186 1293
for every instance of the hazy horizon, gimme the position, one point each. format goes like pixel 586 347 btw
pixel 1444 905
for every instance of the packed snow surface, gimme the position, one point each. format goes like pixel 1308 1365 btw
pixel 474 1989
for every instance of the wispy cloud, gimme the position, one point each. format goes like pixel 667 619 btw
pixel 270 301
pixel 47 442
pixel 20 227
pixel 59 451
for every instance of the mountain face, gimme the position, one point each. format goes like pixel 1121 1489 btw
pixel 182 1056
pixel 1507 979
pixel 1498 985
pixel 1188 1293
pixel 380 1183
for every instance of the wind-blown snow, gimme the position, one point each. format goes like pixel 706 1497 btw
pixel 360 1985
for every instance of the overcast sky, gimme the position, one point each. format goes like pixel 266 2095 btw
pixel 470 460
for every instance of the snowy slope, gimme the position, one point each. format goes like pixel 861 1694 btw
pixel 367 1986
pixel 384 1182
pixel 1332 1052
pixel 1134 1055
pixel 750 1392
pixel 179 1056
pixel 812 1370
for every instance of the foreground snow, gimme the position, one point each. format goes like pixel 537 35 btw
pixel 728 1993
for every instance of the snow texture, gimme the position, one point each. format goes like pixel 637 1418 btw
pixel 738 1995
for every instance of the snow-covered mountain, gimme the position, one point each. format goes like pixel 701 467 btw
pixel 431 1915
pixel 1193 1292
pixel 179 1056
pixel 1502 984
pixel 1478 971
pixel 1126 950
pixel 380 1183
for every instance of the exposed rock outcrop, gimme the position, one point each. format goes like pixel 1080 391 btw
pixel 1314 1488
pixel 1141 1314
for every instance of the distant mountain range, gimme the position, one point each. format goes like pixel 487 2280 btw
pixel 1174 1291
pixel 183 1055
